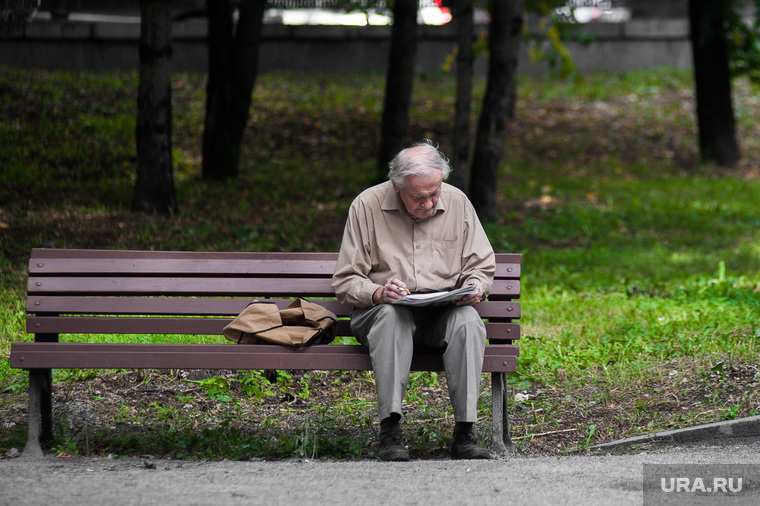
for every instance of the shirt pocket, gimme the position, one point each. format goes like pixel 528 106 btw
pixel 447 262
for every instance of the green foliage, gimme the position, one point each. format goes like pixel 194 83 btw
pixel 254 384
pixel 545 43
pixel 743 41
pixel 216 387
pixel 544 38
pixel 589 437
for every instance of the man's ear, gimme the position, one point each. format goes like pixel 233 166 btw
pixel 395 187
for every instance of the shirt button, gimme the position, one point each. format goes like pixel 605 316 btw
pixel 417 247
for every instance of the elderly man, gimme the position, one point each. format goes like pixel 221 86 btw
pixel 416 233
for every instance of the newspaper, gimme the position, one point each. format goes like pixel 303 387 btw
pixel 436 298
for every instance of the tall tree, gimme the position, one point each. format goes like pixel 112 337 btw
pixel 715 113
pixel 505 32
pixel 462 13
pixel 398 85
pixel 233 54
pixel 154 187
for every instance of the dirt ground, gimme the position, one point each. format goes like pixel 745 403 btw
pixel 544 420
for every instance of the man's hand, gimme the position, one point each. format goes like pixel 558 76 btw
pixel 469 300
pixel 392 291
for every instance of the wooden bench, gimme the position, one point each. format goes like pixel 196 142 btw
pixel 163 292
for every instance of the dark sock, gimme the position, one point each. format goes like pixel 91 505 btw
pixel 463 427
pixel 393 421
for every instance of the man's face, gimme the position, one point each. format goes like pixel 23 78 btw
pixel 420 194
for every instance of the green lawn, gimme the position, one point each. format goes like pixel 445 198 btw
pixel 641 294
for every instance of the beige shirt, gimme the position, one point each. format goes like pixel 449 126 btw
pixel 382 240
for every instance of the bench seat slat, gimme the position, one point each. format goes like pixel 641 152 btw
pixel 498 358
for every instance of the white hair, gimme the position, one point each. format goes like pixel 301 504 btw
pixel 419 159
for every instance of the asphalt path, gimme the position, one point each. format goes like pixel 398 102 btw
pixel 573 480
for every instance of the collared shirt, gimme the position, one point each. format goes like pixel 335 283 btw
pixel 382 240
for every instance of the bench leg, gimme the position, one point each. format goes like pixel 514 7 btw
pixel 40 412
pixel 502 444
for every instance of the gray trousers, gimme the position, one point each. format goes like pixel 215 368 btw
pixel 391 332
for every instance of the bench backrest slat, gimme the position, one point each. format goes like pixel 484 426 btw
pixel 45 253
pixel 168 263
pixel 179 306
pixel 188 286
pixel 190 326
pixel 184 267
pixel 205 267
pixel 206 286
pixel 168 292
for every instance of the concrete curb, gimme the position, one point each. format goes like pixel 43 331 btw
pixel 741 428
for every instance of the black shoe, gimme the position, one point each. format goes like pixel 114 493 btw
pixel 466 447
pixel 392 448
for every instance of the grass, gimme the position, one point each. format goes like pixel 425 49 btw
pixel 641 289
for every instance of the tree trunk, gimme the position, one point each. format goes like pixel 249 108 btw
pixel 715 113
pixel 233 53
pixel 505 35
pixel 460 158
pixel 398 85
pixel 154 187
